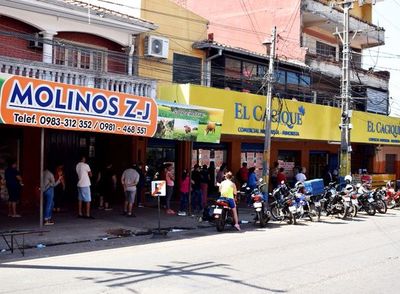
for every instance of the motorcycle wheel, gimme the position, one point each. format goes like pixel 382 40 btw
pixel 345 213
pixel 382 207
pixel 275 213
pixel 370 209
pixel 220 223
pixel 314 211
pixel 391 204
pixel 355 211
pixel 262 219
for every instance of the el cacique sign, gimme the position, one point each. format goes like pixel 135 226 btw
pixel 30 102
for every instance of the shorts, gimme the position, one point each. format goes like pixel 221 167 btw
pixel 130 196
pixel 14 194
pixel 84 194
pixel 231 201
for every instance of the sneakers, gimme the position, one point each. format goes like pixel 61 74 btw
pixel 48 223
pixel 182 213
pixel 108 209
pixel 16 215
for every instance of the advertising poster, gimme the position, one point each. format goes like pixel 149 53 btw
pixel 37 103
pixel 188 123
pixel 219 158
pixel 204 157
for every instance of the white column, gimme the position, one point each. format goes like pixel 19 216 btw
pixel 48 45
pixel 131 52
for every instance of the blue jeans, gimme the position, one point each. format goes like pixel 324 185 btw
pixel 48 196
pixel 184 201
pixel 196 199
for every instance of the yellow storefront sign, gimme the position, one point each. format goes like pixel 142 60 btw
pixel 244 112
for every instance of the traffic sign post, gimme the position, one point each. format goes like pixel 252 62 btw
pixel 158 189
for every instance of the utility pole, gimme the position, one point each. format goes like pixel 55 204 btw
pixel 346 112
pixel 267 118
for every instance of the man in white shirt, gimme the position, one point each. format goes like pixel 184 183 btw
pixel 129 179
pixel 301 177
pixel 84 174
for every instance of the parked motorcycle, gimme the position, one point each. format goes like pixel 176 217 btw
pixel 365 199
pixel 392 197
pixel 260 205
pixel 338 203
pixel 379 200
pixel 283 205
pixel 222 214
pixel 302 202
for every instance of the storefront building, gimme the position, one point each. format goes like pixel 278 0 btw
pixel 303 134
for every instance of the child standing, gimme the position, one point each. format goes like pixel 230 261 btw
pixel 184 189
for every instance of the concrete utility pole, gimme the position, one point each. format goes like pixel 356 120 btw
pixel 268 105
pixel 345 125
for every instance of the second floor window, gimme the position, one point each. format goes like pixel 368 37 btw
pixel 326 50
pixel 79 57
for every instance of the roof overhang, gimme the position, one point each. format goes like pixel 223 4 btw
pixel 206 45
pixel 81 13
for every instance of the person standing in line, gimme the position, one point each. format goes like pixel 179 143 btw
pixel 59 190
pixel 228 191
pixel 274 175
pixel 129 179
pixel 243 174
pixel 251 183
pixel 14 186
pixel 281 177
pixel 196 188
pixel 221 174
pixel 211 173
pixel 108 186
pixel 84 195
pixel 140 185
pixel 170 181
pixel 205 178
pixel 301 177
pixel 184 189
pixel 48 185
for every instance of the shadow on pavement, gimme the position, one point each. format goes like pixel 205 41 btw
pixel 125 277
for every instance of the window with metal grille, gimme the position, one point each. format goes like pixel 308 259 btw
pixel 326 50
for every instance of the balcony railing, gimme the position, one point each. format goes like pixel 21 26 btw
pixel 88 78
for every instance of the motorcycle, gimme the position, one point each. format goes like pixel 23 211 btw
pixel 365 199
pixel 222 214
pixel 283 205
pixel 392 198
pixel 379 200
pixel 302 202
pixel 335 203
pixel 260 205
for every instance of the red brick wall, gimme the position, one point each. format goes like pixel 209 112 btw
pixel 116 62
pixel 17 47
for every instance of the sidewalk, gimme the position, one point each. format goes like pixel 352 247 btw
pixel 68 228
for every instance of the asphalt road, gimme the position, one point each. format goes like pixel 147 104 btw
pixel 333 256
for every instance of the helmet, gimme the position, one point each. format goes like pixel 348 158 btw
pixel 348 179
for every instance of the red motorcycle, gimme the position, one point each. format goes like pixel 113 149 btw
pixel 392 197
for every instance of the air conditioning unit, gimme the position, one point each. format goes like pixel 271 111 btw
pixel 156 46
pixel 35 43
